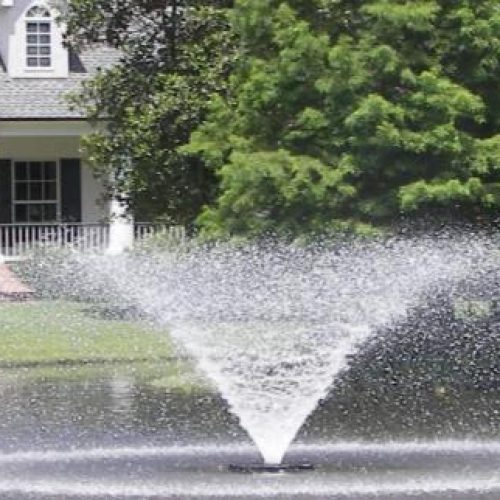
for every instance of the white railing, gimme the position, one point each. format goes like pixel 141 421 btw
pixel 18 240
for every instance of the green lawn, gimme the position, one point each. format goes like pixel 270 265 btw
pixel 48 331
pixel 42 334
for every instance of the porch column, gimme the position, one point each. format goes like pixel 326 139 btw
pixel 121 228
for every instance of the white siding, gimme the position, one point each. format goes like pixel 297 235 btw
pixel 55 148
pixel 94 209
pixel 8 16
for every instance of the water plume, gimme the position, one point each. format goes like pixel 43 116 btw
pixel 272 325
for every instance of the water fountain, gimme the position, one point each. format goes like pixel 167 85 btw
pixel 273 326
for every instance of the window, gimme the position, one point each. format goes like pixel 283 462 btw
pixel 38 38
pixel 35 191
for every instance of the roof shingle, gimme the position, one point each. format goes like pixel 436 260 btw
pixel 44 98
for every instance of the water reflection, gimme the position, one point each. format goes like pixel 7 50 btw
pixel 114 432
pixel 75 407
pixel 81 408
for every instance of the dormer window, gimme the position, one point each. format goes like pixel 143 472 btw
pixel 38 38
pixel 35 46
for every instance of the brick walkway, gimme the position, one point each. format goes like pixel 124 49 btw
pixel 11 287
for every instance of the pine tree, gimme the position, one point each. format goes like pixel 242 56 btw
pixel 350 113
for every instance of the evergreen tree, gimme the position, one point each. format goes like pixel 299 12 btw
pixel 347 113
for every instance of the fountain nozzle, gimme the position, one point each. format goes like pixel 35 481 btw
pixel 270 468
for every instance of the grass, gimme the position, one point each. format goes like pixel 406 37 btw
pixel 46 334
pixel 49 331
pixel 176 377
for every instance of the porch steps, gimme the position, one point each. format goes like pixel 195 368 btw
pixel 11 287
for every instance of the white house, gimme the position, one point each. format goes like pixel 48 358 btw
pixel 45 185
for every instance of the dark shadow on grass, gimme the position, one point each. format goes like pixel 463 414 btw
pixel 5 365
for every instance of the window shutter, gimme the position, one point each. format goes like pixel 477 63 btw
pixel 5 191
pixel 71 191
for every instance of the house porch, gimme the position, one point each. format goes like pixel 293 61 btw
pixel 43 177
pixel 48 193
pixel 20 240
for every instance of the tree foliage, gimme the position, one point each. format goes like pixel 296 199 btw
pixel 349 112
pixel 174 54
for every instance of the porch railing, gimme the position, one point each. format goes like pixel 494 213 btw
pixel 18 240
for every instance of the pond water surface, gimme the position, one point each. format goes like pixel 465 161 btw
pixel 110 432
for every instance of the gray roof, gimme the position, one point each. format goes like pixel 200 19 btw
pixel 44 98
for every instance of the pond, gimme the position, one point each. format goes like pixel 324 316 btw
pixel 112 432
